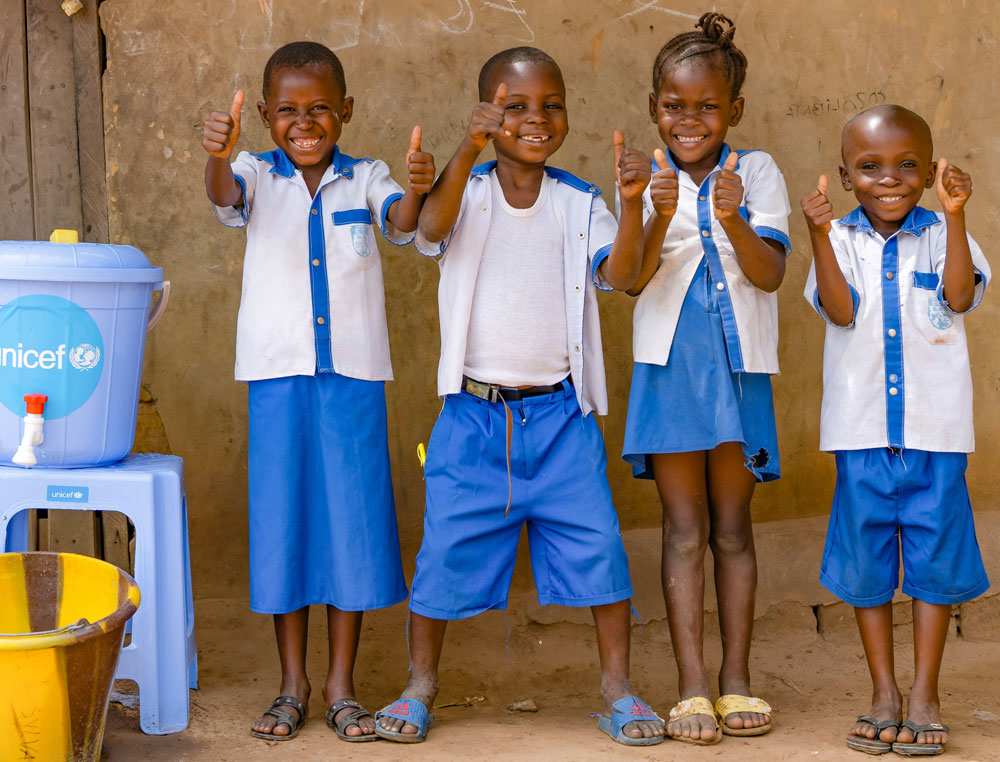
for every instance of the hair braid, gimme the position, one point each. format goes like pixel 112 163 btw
pixel 712 38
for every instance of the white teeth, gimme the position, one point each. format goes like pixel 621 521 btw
pixel 890 199
pixel 305 142
pixel 689 139
pixel 534 138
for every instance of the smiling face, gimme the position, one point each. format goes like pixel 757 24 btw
pixel 887 163
pixel 693 110
pixel 535 113
pixel 305 111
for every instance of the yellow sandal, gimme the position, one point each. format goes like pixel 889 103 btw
pixel 733 703
pixel 688 707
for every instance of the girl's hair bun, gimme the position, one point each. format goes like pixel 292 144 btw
pixel 718 28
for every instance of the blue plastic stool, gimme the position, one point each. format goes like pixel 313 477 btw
pixel 149 490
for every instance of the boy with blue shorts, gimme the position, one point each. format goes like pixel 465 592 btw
pixel 313 348
pixel 521 247
pixel 894 281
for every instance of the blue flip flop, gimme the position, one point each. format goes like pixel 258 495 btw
pixel 626 710
pixel 409 710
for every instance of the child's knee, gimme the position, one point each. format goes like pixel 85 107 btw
pixel 685 541
pixel 731 541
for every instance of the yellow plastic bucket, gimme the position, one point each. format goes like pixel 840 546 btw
pixel 62 620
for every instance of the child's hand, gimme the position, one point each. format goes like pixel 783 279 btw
pixel 487 119
pixel 632 169
pixel 222 130
pixel 953 186
pixel 419 165
pixel 663 188
pixel 728 193
pixel 817 208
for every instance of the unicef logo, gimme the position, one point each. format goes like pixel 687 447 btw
pixel 85 357
pixel 51 346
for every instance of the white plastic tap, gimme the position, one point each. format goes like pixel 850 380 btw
pixel 33 434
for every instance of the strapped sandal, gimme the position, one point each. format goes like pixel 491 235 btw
pixel 915 749
pixel 733 703
pixel 871 745
pixel 688 707
pixel 284 717
pixel 626 710
pixel 350 718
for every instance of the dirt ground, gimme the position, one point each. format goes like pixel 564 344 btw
pixel 816 680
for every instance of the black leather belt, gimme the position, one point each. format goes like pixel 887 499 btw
pixel 496 392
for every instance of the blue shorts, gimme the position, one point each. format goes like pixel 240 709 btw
pixel 322 516
pixel 910 499
pixel 560 488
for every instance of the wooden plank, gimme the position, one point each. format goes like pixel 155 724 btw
pixel 114 527
pixel 32 529
pixel 55 168
pixel 87 65
pixel 43 533
pixel 16 215
pixel 74 532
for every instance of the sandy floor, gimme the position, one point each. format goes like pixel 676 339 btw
pixel 816 682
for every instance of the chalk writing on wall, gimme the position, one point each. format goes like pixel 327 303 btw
pixel 464 20
pixel 654 5
pixel 848 104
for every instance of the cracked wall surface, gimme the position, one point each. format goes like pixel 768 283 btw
pixel 811 67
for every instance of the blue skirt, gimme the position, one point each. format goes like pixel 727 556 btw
pixel 695 402
pixel 322 515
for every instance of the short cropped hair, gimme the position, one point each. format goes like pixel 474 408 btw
pixel 508 58
pixel 298 55
pixel 714 38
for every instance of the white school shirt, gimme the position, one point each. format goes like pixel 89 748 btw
pixel 898 375
pixel 313 299
pixel 588 230
pixel 749 315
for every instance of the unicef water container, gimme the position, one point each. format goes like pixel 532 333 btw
pixel 73 323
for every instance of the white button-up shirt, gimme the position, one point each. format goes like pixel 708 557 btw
pixel 588 230
pixel 749 315
pixel 313 299
pixel 898 375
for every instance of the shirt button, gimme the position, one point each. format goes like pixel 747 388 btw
pixel 315 263
pixel 576 288
pixel 576 348
pixel 702 198
pixel 890 275
pixel 581 235
pixel 720 286
pixel 893 378
pixel 485 209
pixel 320 320
pixel 314 211
pixel 893 391
pixel 892 333
pixel 705 234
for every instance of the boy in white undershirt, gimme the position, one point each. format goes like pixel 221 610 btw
pixel 521 248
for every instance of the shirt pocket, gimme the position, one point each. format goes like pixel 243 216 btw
pixel 930 316
pixel 354 237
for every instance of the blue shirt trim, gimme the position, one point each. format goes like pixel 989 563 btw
pixel 818 305
pixel 765 231
pixel 918 219
pixel 343 165
pixel 383 215
pixel 319 287
pixel 349 216
pixel 602 253
pixel 892 328
pixel 559 175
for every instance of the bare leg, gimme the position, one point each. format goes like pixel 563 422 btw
pixel 345 631
pixel 426 642
pixel 612 623
pixel 730 487
pixel 875 625
pixel 291 631
pixel 681 482
pixel 930 630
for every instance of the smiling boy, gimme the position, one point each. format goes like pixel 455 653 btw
pixel 521 247
pixel 894 281
pixel 312 345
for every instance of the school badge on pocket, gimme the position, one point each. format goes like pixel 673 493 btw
pixel 361 240
pixel 938 316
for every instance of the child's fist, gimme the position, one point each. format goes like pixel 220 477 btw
pixel 817 208
pixel 419 165
pixel 222 130
pixel 728 192
pixel 632 169
pixel 663 188
pixel 953 186
pixel 487 119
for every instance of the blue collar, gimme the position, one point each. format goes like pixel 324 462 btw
pixel 918 219
pixel 726 150
pixel 559 175
pixel 343 165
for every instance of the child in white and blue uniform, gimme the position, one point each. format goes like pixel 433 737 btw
pixel 894 281
pixel 312 345
pixel 700 415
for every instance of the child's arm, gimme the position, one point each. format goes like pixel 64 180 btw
pixel 834 291
pixel 663 190
pixel 444 201
pixel 763 262
pixel 632 169
pixel 953 189
pixel 219 136
pixel 404 212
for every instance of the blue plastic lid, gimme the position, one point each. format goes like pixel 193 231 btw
pixel 81 262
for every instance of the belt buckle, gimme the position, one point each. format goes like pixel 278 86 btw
pixel 488 392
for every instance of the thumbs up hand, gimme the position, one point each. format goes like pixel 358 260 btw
pixel 663 188
pixel 632 169
pixel 953 186
pixel 487 119
pixel 419 165
pixel 817 208
pixel 728 192
pixel 221 130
